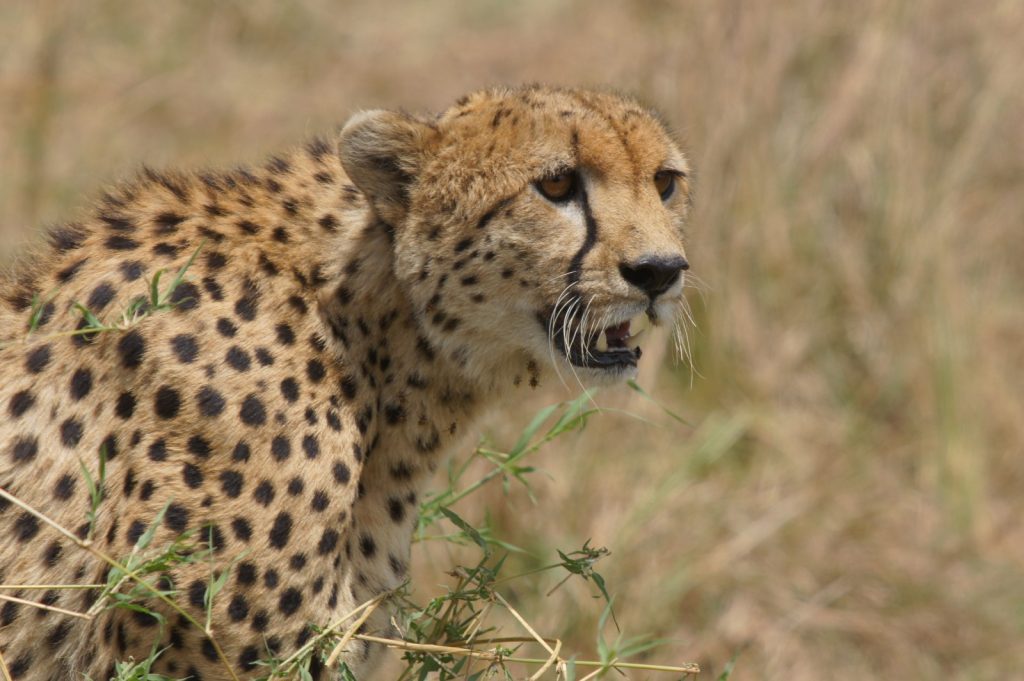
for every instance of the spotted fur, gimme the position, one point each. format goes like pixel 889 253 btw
pixel 354 306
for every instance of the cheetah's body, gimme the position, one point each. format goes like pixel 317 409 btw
pixel 340 328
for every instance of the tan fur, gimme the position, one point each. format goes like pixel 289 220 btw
pixel 382 291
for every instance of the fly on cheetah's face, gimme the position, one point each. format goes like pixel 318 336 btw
pixel 536 221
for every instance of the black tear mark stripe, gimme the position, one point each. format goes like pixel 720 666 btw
pixel 576 264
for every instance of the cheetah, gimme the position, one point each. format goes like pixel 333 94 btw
pixel 349 310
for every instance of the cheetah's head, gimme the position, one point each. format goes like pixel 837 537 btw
pixel 536 222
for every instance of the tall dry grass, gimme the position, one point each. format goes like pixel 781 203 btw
pixel 847 502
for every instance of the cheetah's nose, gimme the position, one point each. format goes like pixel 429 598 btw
pixel 654 274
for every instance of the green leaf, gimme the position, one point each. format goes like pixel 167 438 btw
pixel 636 387
pixel 531 430
pixel 468 529
pixel 147 536
pixel 92 322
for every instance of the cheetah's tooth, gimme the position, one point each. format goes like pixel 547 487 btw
pixel 601 345
pixel 639 324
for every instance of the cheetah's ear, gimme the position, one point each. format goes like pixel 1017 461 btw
pixel 382 151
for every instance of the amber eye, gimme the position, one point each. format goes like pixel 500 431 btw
pixel 560 187
pixel 665 183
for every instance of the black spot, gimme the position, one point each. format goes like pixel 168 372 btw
pixel 65 487
pixel 192 475
pixel 129 482
pixel 100 297
pixel 67 237
pixel 247 305
pixel 281 530
pixel 226 327
pixel 298 304
pixel 333 421
pixel 320 501
pixel 290 601
pixel 158 451
pixel 315 370
pixel 260 621
pixel 213 288
pixel 186 347
pixel 396 509
pixel 394 413
pixel 215 260
pixel 199 446
pixel 68 273
pixel 295 486
pixel 8 613
pixel 241 452
pixel 328 222
pixel 252 411
pixel 281 447
pixel 264 493
pixel 164 248
pixel 26 527
pixel 37 359
pixel 176 517
pixel 249 657
pixel 310 446
pixel 20 666
pixel 297 562
pixel 58 635
pixel 25 448
pixel 238 608
pixel 185 296
pixel 197 594
pixel 131 270
pixel 215 538
pixel 241 528
pixel 125 405
pixel 285 335
pixel 209 650
pixel 167 222
pixel 290 389
pixel 264 357
pixel 328 541
pixel 119 242
pixel 131 347
pixel 271 579
pixel 135 531
pixel 463 244
pixel 167 402
pixel 81 384
pixel 71 432
pixel 238 358
pixel 146 491
pixel 211 403
pixel 367 546
pixel 249 227
pixel 341 472
pixel 247 572
pixel 231 483
pixel 20 402
pixel 53 553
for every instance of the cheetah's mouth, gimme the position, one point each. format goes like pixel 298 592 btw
pixel 615 347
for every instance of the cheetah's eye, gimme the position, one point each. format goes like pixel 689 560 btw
pixel 558 188
pixel 665 183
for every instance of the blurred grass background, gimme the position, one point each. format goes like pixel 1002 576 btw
pixel 848 502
